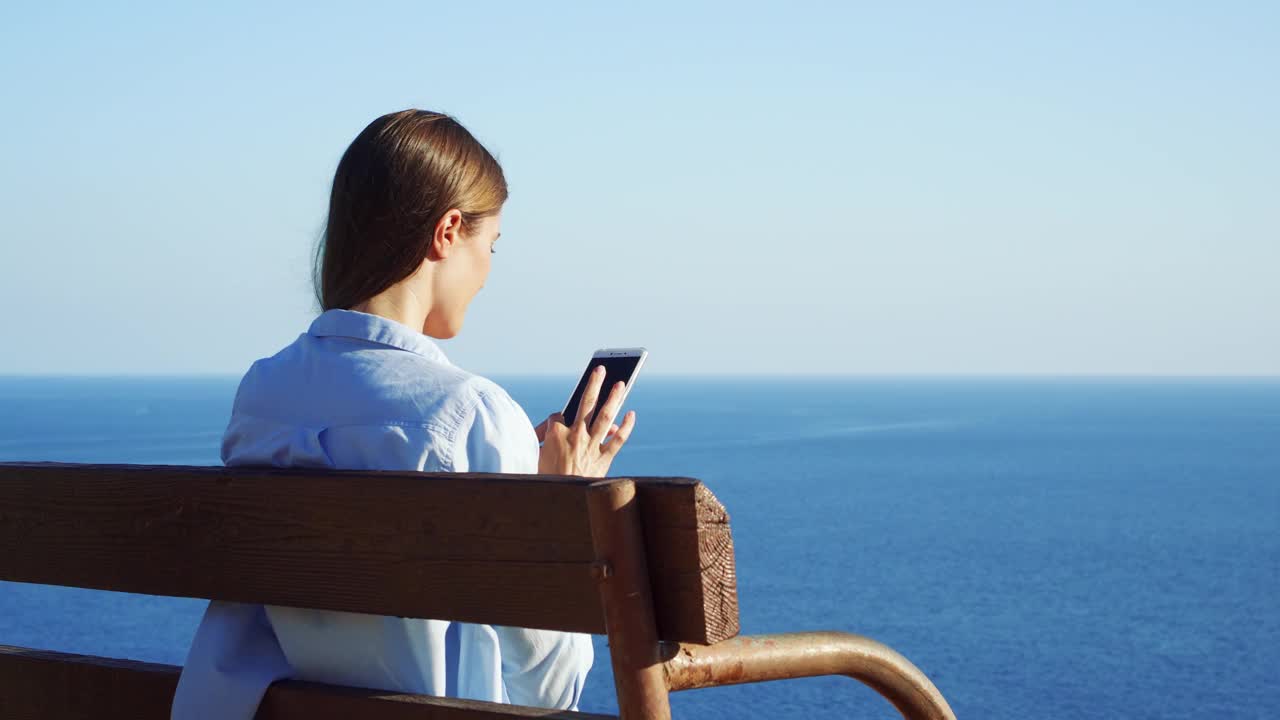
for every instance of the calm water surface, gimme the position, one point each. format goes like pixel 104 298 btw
pixel 1067 548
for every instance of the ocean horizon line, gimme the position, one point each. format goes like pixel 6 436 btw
pixel 712 376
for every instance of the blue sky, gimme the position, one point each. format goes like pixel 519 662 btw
pixel 794 188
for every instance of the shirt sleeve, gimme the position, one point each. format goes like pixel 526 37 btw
pixel 234 658
pixel 541 668
pixel 499 437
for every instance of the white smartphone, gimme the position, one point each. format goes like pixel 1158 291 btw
pixel 620 364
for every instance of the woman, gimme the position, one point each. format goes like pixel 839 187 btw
pixel 413 215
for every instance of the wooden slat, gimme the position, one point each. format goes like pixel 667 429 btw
pixel 506 550
pixel 500 549
pixel 61 686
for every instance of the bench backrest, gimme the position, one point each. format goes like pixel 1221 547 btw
pixel 500 549
pixel 644 560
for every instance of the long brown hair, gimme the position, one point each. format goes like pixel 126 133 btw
pixel 400 175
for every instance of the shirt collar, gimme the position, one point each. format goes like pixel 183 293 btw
pixel 375 328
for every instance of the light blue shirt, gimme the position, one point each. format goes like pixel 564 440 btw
pixel 358 391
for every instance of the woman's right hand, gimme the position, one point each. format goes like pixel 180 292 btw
pixel 581 450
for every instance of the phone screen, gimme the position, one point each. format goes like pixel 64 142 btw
pixel 616 369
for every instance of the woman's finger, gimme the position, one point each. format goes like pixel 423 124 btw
pixel 612 429
pixel 589 396
pixel 549 426
pixel 620 437
pixel 608 412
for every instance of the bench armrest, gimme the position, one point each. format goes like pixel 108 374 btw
pixel 794 655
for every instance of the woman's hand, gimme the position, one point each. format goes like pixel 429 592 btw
pixel 581 450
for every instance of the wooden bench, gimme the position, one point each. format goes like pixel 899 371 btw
pixel 647 561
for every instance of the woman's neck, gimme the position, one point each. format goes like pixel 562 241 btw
pixel 399 303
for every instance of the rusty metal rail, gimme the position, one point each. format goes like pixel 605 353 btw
pixel 795 655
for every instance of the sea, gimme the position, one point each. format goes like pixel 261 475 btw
pixel 1040 547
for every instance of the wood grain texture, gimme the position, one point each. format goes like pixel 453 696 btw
pixel 500 549
pixel 507 550
pixel 61 686
pixel 691 562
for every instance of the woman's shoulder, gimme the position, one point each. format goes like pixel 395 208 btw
pixel 370 385
pixel 484 390
pixel 491 400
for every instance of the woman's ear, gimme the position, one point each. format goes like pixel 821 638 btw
pixel 447 233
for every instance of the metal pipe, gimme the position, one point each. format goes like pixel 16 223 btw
pixel 794 655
